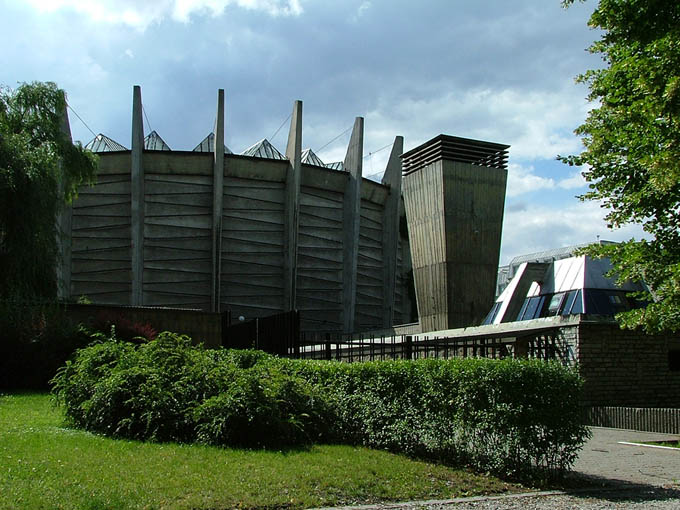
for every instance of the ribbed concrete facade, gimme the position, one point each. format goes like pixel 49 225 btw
pixel 218 231
pixel 454 192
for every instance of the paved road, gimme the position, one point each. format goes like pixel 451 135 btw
pixel 603 457
pixel 630 477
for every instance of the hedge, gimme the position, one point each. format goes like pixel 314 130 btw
pixel 510 417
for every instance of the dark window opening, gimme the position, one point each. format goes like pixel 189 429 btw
pixel 674 360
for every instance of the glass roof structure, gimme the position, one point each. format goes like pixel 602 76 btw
pixel 102 143
pixel 263 149
pixel 338 165
pixel 208 145
pixel 310 158
pixel 559 283
pixel 154 142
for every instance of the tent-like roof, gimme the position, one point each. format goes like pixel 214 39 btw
pixel 263 149
pixel 208 145
pixel 338 165
pixel 310 158
pixel 102 143
pixel 547 256
pixel 154 142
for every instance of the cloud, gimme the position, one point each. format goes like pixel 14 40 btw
pixel 365 6
pixel 537 228
pixel 574 181
pixel 536 124
pixel 523 180
pixel 139 15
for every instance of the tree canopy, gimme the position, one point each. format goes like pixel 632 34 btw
pixel 631 156
pixel 40 170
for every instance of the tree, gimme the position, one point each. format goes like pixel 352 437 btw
pixel 631 158
pixel 40 171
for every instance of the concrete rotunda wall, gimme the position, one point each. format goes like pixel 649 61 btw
pixel 279 234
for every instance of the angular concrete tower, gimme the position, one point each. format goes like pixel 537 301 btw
pixel 454 195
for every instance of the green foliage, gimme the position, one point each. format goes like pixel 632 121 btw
pixel 169 390
pixel 40 169
pixel 262 406
pixel 518 418
pixel 509 417
pixel 632 147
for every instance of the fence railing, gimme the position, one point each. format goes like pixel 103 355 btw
pixel 663 420
pixel 276 334
pixel 349 348
pixel 280 334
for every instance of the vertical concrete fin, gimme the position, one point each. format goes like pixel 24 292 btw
pixel 218 197
pixel 294 155
pixel 351 222
pixel 64 221
pixel 137 198
pixel 391 178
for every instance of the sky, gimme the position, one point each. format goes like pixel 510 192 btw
pixel 495 70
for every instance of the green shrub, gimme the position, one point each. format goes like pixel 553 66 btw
pixel 517 418
pixel 170 390
pixel 261 407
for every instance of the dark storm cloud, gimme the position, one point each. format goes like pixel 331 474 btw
pixel 496 70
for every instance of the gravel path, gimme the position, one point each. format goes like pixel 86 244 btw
pixel 632 477
pixel 623 498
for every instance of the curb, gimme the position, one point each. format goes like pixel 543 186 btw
pixel 434 502
pixel 475 499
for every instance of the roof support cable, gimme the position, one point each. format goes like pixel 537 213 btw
pixel 371 160
pixel 81 120
pixel 334 139
pixel 147 118
pixel 380 149
pixel 282 124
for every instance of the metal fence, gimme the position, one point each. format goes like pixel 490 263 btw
pixel 280 334
pixel 350 348
pixel 276 334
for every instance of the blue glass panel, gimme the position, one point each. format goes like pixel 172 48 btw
pixel 492 314
pixel 542 307
pixel 521 313
pixel 568 302
pixel 577 307
pixel 532 306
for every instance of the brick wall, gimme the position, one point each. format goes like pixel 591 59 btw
pixel 201 326
pixel 626 368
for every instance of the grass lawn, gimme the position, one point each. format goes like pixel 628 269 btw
pixel 46 466
pixel 670 444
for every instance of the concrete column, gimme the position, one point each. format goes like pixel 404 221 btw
pixel 351 221
pixel 454 195
pixel 391 178
pixel 64 220
pixel 137 199
pixel 294 155
pixel 218 195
